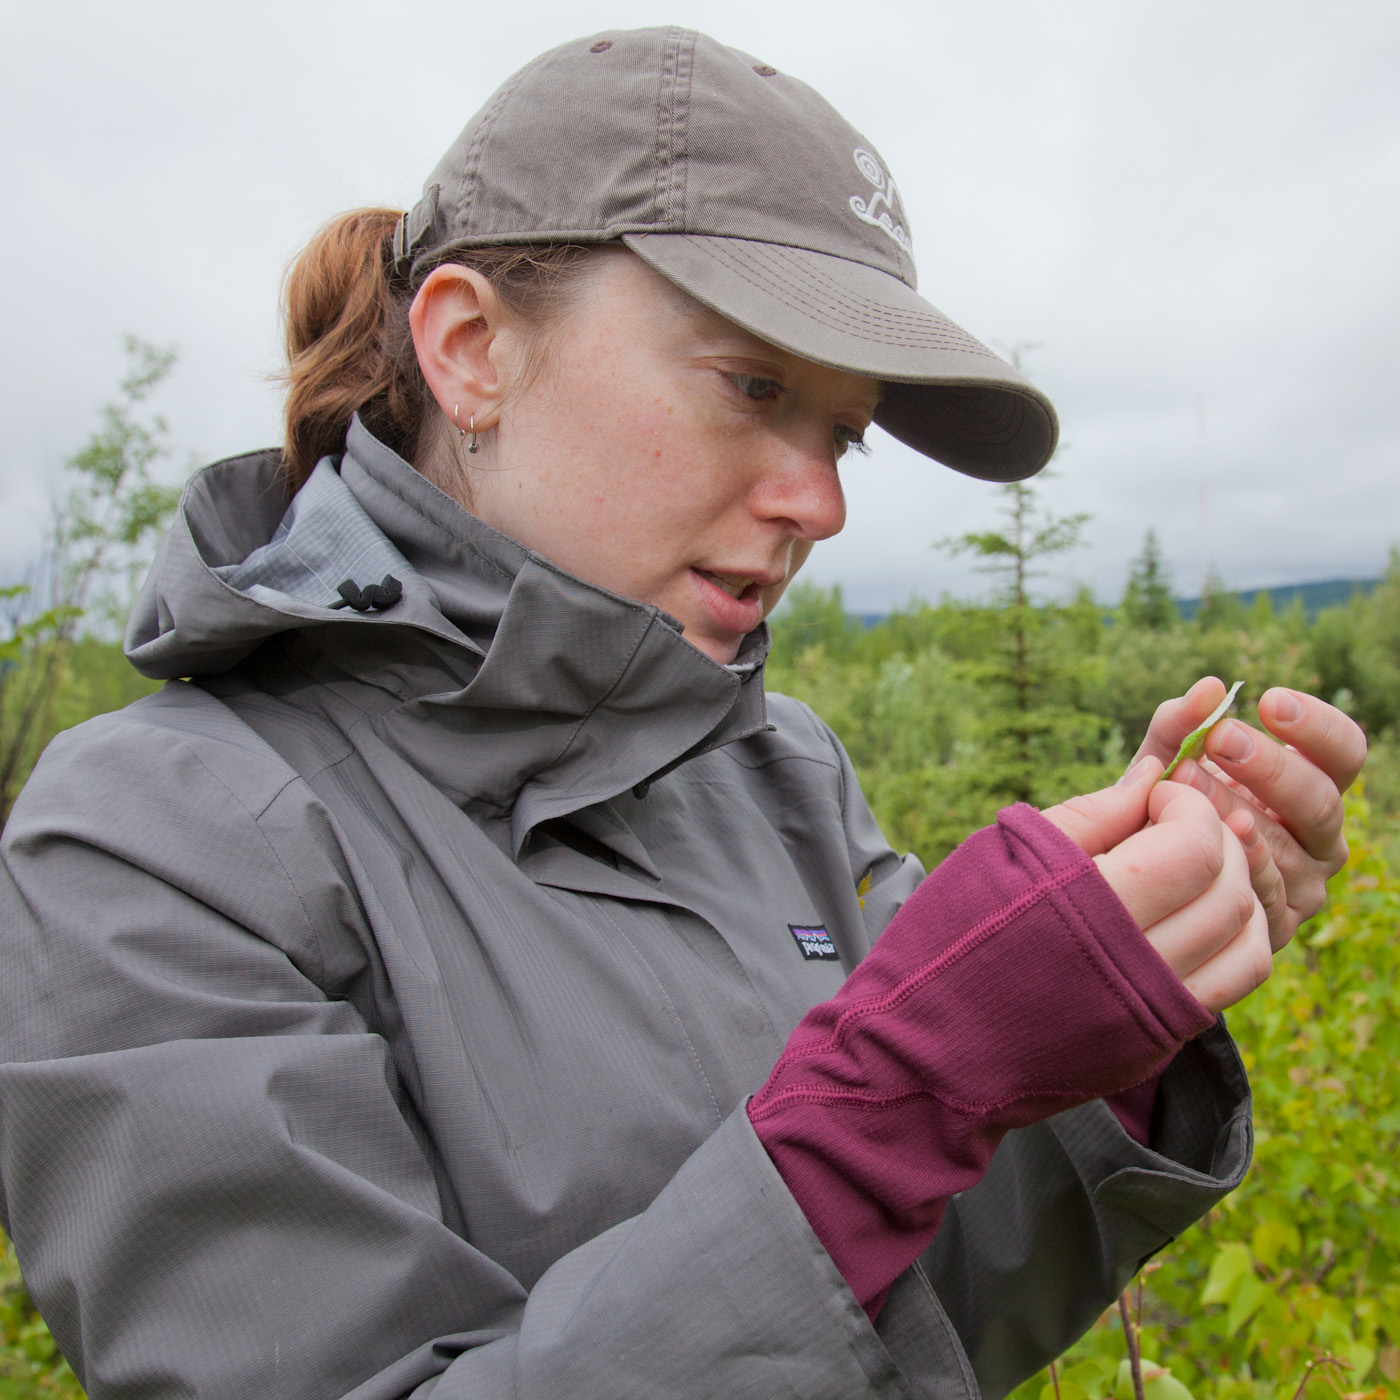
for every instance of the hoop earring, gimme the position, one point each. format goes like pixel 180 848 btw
pixel 470 428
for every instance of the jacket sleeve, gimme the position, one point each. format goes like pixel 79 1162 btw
pixel 1071 1208
pixel 217 1184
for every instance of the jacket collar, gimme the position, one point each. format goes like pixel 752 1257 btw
pixel 554 694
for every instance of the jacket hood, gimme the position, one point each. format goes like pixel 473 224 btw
pixel 597 693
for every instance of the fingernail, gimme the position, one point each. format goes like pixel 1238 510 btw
pixel 1234 744
pixel 1287 706
pixel 1133 774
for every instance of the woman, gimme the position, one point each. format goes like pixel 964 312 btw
pixel 464 980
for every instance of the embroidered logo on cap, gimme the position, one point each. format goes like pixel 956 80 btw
pixel 815 943
pixel 886 194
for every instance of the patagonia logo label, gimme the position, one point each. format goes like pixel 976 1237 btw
pixel 815 943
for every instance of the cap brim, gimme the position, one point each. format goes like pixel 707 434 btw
pixel 947 395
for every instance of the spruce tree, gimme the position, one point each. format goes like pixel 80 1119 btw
pixel 1147 600
pixel 1028 731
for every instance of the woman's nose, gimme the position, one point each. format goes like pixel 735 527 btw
pixel 801 490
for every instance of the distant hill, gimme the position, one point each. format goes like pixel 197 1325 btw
pixel 1326 593
pixel 1329 593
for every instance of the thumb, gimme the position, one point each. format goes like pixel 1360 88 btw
pixel 1097 821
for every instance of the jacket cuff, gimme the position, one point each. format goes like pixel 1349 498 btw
pixel 1200 1151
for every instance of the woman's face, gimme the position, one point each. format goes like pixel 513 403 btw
pixel 666 454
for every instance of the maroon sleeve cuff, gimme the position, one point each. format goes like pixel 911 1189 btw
pixel 1138 972
pixel 894 1094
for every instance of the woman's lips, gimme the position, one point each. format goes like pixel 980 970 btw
pixel 730 614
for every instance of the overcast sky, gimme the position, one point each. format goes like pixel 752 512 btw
pixel 1192 211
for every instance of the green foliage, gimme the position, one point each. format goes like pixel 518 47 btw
pixel 905 712
pixel 938 746
pixel 1366 636
pixel 114 511
pixel 816 617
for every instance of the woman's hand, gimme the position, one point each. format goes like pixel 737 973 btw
pixel 1187 878
pixel 1292 793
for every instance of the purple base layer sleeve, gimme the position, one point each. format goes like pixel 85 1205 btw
pixel 1012 985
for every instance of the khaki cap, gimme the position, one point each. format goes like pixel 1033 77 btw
pixel 753 194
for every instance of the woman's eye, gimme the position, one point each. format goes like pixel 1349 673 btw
pixel 756 387
pixel 850 440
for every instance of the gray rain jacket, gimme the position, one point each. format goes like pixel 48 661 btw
pixel 371 1027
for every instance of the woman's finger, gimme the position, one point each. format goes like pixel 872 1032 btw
pixel 1234 972
pixel 1168 864
pixel 1324 736
pixel 1289 883
pixel 1192 935
pixel 1264 876
pixel 1173 720
pixel 1098 821
pixel 1304 876
pixel 1303 796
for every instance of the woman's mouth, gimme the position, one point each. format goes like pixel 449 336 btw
pixel 734 602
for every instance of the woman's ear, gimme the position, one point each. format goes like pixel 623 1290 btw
pixel 457 320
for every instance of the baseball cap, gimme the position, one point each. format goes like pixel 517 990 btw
pixel 749 191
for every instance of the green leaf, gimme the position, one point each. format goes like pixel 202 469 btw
pixel 1165 1387
pixel 1096 1375
pixel 1158 1383
pixel 1271 1240
pixel 1247 1296
pixel 1193 745
pixel 1362 1358
pixel 1231 1265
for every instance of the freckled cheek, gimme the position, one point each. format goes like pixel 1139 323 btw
pixel 679 469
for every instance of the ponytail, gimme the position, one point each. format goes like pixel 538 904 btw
pixel 349 347
pixel 340 314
